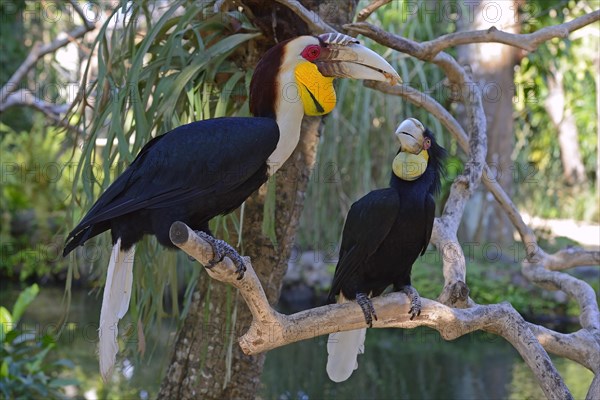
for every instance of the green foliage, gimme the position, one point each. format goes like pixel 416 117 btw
pixel 33 199
pixel 25 371
pixel 537 151
pixel 524 385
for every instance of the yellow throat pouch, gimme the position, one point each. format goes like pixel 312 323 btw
pixel 410 167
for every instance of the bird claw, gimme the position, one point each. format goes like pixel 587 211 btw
pixel 415 301
pixel 222 249
pixel 367 308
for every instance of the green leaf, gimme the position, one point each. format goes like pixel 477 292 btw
pixel 24 300
pixel 221 47
pixel 4 369
pixel 228 89
pixel 6 323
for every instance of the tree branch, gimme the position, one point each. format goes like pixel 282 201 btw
pixel 37 52
pixel 88 24
pixel 270 329
pixel 529 41
pixel 371 8
pixel 312 19
pixel 571 257
pixel 578 289
pixel 579 346
pixel 54 112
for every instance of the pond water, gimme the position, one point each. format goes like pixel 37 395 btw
pixel 415 364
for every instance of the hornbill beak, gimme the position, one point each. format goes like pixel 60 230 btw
pixel 345 57
pixel 410 133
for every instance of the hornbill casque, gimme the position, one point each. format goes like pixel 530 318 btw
pixel 385 232
pixel 208 168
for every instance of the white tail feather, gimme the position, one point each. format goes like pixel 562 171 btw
pixel 343 349
pixel 115 303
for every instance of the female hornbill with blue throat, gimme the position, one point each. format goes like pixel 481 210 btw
pixel 207 168
pixel 385 232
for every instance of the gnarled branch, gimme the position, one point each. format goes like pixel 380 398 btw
pixel 527 41
pixel 270 329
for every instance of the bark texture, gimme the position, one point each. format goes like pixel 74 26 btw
pixel 207 363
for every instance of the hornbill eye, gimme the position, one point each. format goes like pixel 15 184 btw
pixel 312 52
pixel 426 143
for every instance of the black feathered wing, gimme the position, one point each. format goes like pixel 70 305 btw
pixel 368 223
pixel 183 166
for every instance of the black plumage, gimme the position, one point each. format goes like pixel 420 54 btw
pixel 385 232
pixel 190 174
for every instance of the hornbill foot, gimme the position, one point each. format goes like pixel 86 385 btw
pixel 367 308
pixel 415 301
pixel 221 249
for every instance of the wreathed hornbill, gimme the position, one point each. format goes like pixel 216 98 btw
pixel 207 168
pixel 385 232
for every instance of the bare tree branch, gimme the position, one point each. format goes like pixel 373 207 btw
pixel 24 97
pixel 270 329
pixel 579 346
pixel 54 112
pixel 575 288
pixel 88 24
pixel 40 50
pixel 530 41
pixel 370 9
pixel 571 257
pixel 312 19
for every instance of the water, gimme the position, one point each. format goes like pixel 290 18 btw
pixel 415 364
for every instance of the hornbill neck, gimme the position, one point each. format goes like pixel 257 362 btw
pixel 274 94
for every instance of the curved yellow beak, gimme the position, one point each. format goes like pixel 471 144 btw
pixel 345 57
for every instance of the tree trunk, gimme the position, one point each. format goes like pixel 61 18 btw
pixel 564 121
pixel 492 67
pixel 207 342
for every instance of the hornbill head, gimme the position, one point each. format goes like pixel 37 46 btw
pixel 411 134
pixel 415 144
pixel 312 62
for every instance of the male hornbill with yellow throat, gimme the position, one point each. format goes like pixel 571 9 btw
pixel 207 168
pixel 385 232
